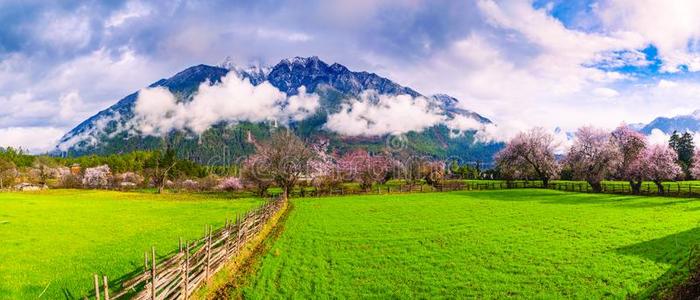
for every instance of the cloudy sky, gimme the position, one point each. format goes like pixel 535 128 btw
pixel 521 63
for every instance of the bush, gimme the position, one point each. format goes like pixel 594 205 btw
pixel 230 184
pixel 70 181
pixel 325 184
pixel 129 177
pixel 189 185
pixel 208 183
pixel 98 177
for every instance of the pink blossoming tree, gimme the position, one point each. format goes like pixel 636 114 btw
pixel 593 156
pixel 630 145
pixel 323 169
pixel 230 184
pixel 659 163
pixel 695 170
pixel 529 155
pixel 364 168
pixel 97 177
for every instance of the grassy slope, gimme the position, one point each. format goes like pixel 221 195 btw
pixel 59 238
pixel 523 243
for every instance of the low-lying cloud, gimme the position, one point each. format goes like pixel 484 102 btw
pixel 158 111
pixel 373 114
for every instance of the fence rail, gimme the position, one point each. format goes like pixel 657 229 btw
pixel 673 189
pixel 178 276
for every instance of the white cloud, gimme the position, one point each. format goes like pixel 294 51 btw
pixel 133 10
pixel 157 111
pixel 527 69
pixel 278 34
pixel 33 139
pixel 605 92
pixel 65 31
pixel 375 114
pixel 658 137
pixel 671 26
pixel 663 83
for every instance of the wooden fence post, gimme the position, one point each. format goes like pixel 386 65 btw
pixel 97 287
pixel 186 273
pixel 227 238
pixel 208 269
pixel 238 233
pixel 153 273
pixel 106 287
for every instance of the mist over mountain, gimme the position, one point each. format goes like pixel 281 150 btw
pixel 206 112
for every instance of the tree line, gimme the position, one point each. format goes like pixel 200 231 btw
pixel 597 155
pixel 283 160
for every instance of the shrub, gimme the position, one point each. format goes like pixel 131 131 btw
pixel 190 185
pixel 230 184
pixel 129 177
pixel 98 177
pixel 208 183
pixel 70 181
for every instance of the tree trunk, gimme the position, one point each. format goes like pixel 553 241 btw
pixel 659 186
pixel 596 186
pixel 545 182
pixel 285 193
pixel 636 187
pixel 160 188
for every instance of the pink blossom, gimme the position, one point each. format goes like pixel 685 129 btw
pixel 529 155
pixel 97 177
pixel 630 146
pixel 695 170
pixel 659 164
pixel 230 184
pixel 364 168
pixel 593 156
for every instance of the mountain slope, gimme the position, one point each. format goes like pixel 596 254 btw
pixel 680 123
pixel 112 130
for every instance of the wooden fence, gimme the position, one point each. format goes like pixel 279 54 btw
pixel 674 189
pixel 178 276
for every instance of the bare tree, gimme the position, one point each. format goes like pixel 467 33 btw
pixel 284 159
pixel 160 166
pixel 529 154
pixel 8 172
pixel 253 175
pixel 44 168
pixel 433 172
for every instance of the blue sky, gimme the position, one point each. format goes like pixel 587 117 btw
pixel 543 63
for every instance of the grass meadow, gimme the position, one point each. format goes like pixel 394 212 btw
pixel 53 241
pixel 487 244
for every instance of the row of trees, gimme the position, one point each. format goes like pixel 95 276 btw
pixel 160 166
pixel 597 155
pixel 285 161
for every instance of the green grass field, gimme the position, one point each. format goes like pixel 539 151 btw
pixel 488 244
pixel 53 241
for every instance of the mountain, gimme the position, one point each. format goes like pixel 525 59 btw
pixel 112 130
pixel 680 123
